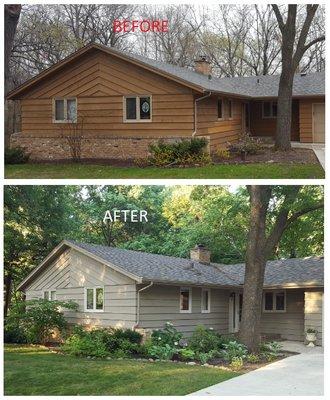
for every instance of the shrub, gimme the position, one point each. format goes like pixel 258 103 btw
pixel 187 354
pixel 205 357
pixel 183 152
pixel 236 363
pixel 85 346
pixel 222 154
pixel 163 352
pixel 252 358
pixel 204 340
pixel 246 144
pixel 311 330
pixel 271 348
pixel 234 349
pixel 169 335
pixel 16 155
pixel 36 320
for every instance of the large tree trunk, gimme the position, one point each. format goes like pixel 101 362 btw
pixel 12 13
pixel 255 268
pixel 8 285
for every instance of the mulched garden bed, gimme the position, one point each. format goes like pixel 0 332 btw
pixel 269 155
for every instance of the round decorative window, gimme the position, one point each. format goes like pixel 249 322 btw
pixel 145 107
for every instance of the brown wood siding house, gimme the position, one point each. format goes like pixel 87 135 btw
pixel 120 103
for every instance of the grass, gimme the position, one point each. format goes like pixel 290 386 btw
pixel 33 370
pixel 85 171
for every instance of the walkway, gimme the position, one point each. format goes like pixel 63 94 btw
pixel 298 375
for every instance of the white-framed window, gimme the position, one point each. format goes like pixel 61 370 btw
pixel 185 300
pixel 269 109
pixel 64 110
pixel 94 299
pixel 274 301
pixel 230 109
pixel 220 108
pixel 137 108
pixel 49 295
pixel 206 301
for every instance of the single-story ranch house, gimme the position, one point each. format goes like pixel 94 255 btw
pixel 132 289
pixel 120 103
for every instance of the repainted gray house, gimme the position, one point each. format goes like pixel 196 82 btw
pixel 132 289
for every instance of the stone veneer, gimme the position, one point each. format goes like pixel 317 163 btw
pixel 57 148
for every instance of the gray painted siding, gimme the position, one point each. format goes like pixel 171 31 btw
pixel 290 324
pixel 313 313
pixel 71 272
pixel 160 304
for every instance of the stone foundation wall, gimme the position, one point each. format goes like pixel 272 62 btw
pixel 57 148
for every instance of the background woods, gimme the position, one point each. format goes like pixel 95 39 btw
pixel 37 218
pixel 238 39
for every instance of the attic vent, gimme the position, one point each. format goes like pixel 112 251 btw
pixel 258 80
pixel 303 74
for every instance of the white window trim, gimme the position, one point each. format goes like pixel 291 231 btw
pixel 222 109
pixel 64 121
pixel 271 110
pixel 49 294
pixel 274 301
pixel 230 101
pixel 94 299
pixel 138 119
pixel 208 303
pixel 190 300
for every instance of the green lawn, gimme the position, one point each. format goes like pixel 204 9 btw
pixel 36 371
pixel 85 171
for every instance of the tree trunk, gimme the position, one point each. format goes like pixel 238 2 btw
pixel 284 112
pixel 8 284
pixel 249 333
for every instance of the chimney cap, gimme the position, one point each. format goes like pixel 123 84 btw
pixel 203 59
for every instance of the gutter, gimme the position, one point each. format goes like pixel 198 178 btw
pixel 138 303
pixel 195 115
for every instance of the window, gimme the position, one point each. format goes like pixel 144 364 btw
pixel 94 299
pixel 206 300
pixel 274 302
pixel 230 109
pixel 137 109
pixel 65 110
pixel 220 108
pixel 185 300
pixel 50 295
pixel 269 109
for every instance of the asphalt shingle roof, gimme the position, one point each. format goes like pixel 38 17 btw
pixel 160 268
pixel 252 86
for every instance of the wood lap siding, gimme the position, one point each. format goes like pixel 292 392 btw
pixel 81 271
pixel 314 312
pixel 99 82
pixel 160 304
pixel 306 118
pixel 222 131
pixel 290 324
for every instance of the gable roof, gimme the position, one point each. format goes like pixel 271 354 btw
pixel 247 87
pixel 144 267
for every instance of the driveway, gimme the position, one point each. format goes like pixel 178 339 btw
pixel 298 375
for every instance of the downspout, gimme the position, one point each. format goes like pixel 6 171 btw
pixel 138 303
pixel 195 115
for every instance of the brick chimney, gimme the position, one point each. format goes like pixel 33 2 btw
pixel 201 254
pixel 203 66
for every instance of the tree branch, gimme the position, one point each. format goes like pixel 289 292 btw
pixel 302 212
pixel 278 17
pixel 312 42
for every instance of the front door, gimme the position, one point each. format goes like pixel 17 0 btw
pixel 235 311
pixel 318 123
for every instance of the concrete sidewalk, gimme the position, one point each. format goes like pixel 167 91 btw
pixel 298 375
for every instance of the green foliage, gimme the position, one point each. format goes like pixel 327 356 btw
pixel 236 363
pixel 16 155
pixel 205 340
pixel 270 349
pixel 222 154
pixel 234 349
pixel 117 343
pixel 36 320
pixel 162 352
pixel 311 330
pixel 169 335
pixel 184 152
pixel 253 358
pixel 187 354
pixel 204 357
